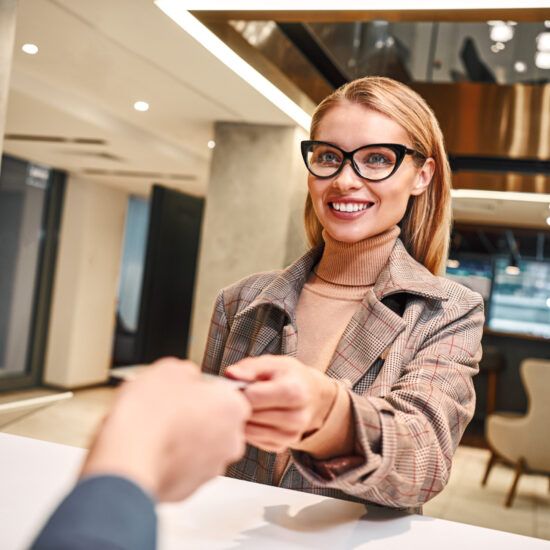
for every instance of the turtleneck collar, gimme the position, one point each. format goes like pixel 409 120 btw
pixel 355 264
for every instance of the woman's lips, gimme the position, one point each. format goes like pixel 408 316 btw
pixel 347 210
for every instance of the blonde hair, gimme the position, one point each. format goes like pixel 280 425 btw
pixel 426 225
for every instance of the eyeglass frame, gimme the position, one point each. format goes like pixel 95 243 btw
pixel 400 150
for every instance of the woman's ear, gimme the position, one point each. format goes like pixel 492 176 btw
pixel 424 177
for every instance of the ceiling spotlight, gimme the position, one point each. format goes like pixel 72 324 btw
pixel 379 44
pixel 495 48
pixel 542 60
pixel 547 24
pixel 520 66
pixel 141 106
pixel 543 42
pixel 548 220
pixel 31 49
pixel 501 31
pixel 211 144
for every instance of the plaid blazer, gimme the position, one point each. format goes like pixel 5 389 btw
pixel 409 376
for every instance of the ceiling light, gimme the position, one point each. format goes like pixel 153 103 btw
pixel 31 49
pixel 547 24
pixel 325 5
pixel 501 31
pixel 512 270
pixel 211 144
pixel 141 106
pixel 520 66
pixel 177 12
pixel 495 48
pixel 548 220
pixel 453 264
pixel 542 60
pixel 548 302
pixel 543 42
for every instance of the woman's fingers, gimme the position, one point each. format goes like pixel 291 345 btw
pixel 251 369
pixel 287 391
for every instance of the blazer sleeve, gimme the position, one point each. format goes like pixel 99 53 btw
pixel 217 337
pixel 101 512
pixel 405 440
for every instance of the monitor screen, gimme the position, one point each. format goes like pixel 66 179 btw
pixel 475 274
pixel 520 301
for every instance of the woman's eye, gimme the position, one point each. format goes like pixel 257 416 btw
pixel 327 157
pixel 377 159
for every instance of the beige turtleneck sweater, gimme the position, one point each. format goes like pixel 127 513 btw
pixel 326 305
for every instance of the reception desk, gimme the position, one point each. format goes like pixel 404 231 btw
pixel 232 514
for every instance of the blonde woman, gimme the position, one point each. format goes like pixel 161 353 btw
pixel 360 356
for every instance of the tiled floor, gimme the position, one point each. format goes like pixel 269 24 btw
pixel 73 422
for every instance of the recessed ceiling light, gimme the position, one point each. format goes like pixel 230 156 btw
pixel 543 42
pixel 501 31
pixel 31 49
pixel 141 106
pixel 548 220
pixel 520 66
pixel 211 144
pixel 512 270
pixel 542 60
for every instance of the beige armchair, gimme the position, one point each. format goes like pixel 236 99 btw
pixel 523 440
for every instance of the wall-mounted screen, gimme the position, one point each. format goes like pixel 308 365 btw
pixel 476 274
pixel 520 301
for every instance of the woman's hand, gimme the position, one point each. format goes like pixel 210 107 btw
pixel 289 399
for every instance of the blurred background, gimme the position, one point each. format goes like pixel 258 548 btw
pixel 140 174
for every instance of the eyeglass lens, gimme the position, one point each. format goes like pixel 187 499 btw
pixel 373 163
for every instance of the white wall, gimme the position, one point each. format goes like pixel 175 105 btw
pixel 7 35
pixel 82 318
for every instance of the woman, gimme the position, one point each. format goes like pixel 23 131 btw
pixel 361 357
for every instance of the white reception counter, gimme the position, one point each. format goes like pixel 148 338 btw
pixel 231 514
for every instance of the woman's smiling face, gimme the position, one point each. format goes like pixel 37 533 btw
pixel 375 206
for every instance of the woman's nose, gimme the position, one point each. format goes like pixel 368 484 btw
pixel 347 179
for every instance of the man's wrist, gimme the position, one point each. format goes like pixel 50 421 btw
pixel 118 451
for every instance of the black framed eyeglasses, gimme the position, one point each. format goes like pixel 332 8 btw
pixel 375 162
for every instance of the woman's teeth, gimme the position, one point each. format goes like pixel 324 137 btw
pixel 350 206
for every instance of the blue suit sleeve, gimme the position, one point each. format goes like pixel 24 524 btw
pixel 101 513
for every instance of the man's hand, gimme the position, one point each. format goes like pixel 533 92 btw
pixel 288 399
pixel 170 431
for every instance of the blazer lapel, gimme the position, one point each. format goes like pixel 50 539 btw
pixel 370 332
pixel 374 326
pixel 268 323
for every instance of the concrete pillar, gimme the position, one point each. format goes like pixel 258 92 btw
pixel 253 215
pixel 7 36
pixel 83 310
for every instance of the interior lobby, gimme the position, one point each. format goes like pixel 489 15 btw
pixel 151 157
